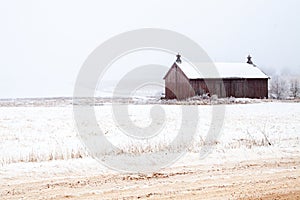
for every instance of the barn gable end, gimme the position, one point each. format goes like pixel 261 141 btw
pixel 177 84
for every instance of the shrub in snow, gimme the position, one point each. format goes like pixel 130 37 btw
pixel 214 97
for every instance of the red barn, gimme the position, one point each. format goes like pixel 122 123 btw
pixel 184 80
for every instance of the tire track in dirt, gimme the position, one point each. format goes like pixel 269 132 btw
pixel 278 178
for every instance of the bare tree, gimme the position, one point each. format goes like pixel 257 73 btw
pixel 279 88
pixel 295 88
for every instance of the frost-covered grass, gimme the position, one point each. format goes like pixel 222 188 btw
pixel 36 134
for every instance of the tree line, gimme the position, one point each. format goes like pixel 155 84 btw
pixel 284 87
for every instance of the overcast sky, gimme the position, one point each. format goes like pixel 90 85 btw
pixel 44 43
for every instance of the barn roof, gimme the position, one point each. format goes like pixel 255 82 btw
pixel 221 70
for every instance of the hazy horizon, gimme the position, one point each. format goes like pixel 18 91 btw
pixel 44 43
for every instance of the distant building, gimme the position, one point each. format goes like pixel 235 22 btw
pixel 222 79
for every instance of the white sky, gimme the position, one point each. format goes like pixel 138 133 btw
pixel 44 43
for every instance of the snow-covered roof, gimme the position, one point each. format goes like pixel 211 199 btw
pixel 221 70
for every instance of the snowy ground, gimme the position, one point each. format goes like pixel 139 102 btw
pixel 39 145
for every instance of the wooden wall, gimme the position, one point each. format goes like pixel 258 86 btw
pixel 177 85
pixel 249 88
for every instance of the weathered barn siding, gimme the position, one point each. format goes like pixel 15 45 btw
pixel 249 88
pixel 257 88
pixel 177 85
pixel 211 86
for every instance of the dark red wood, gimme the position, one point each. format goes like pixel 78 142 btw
pixel 177 85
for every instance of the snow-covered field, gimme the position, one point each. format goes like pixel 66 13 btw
pixel 41 143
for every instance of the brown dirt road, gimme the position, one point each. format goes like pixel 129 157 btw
pixel 267 179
